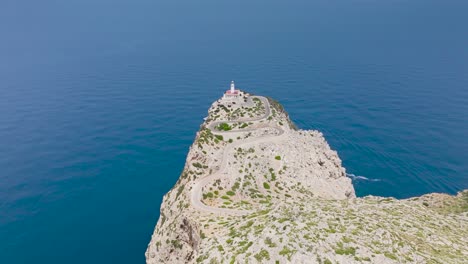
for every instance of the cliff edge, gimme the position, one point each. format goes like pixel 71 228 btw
pixel 255 189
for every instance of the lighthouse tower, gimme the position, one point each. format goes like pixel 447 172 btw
pixel 233 87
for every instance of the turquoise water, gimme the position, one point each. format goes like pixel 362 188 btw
pixel 100 101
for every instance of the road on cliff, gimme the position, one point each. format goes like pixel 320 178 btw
pixel 197 193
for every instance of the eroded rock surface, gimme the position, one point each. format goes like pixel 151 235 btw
pixel 255 189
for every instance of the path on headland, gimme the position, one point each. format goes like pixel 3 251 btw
pixel 197 190
pixel 265 102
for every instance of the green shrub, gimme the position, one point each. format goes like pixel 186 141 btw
pixel 230 193
pixel 287 252
pixel 179 190
pixel 269 242
pixel 390 255
pixel 273 176
pixel 266 185
pixel 248 225
pixel 176 244
pixel 345 251
pixel 263 254
pixel 202 235
pixel 197 165
pixel 278 157
pixel 219 137
pixel 224 126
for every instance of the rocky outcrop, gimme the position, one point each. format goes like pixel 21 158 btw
pixel 256 189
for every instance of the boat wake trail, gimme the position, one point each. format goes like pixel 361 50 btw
pixel 357 177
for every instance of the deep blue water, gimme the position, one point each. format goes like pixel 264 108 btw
pixel 100 101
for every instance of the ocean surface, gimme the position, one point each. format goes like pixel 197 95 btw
pixel 100 101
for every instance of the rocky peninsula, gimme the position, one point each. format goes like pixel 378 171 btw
pixel 255 189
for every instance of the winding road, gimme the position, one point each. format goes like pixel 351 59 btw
pixel 197 194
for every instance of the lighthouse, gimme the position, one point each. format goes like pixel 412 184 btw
pixel 233 87
pixel 232 93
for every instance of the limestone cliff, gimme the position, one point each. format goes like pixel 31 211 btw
pixel 256 189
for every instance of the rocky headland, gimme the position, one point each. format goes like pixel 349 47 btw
pixel 255 189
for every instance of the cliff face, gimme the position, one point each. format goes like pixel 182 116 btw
pixel 255 189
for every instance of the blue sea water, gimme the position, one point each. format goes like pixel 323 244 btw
pixel 100 100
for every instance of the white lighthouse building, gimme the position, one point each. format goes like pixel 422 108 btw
pixel 232 93
pixel 233 87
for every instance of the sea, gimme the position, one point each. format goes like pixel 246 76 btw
pixel 100 101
